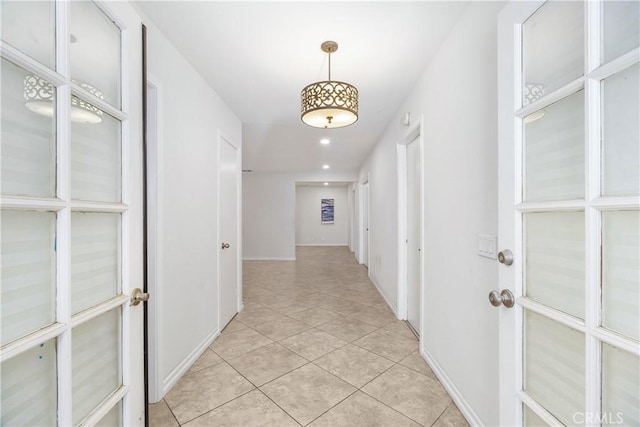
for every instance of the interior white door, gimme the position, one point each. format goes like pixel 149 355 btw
pixel 365 224
pixel 228 230
pixel 569 177
pixel 71 251
pixel 414 232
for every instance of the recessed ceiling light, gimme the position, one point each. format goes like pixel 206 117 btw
pixel 324 141
pixel 326 183
pixel 325 166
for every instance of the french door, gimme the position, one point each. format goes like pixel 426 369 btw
pixel 71 220
pixel 569 212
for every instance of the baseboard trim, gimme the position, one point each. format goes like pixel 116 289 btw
pixel 466 410
pixel 258 258
pixel 341 245
pixel 187 362
pixel 390 303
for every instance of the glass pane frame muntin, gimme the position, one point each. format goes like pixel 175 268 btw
pixel 593 205
pixel 62 205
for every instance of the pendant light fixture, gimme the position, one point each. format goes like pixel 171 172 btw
pixel 329 104
pixel 39 98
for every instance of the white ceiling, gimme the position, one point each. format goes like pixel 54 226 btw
pixel 259 55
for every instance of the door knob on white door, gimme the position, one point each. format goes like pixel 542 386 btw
pixel 137 296
pixel 505 257
pixel 502 298
pixel 225 246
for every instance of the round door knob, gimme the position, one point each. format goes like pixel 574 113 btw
pixel 225 246
pixel 502 298
pixel 505 257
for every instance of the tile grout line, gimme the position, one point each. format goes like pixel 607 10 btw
pixel 229 401
pixel 440 416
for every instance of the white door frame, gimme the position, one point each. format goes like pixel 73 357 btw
pixel 363 227
pixel 223 138
pixel 401 149
pixel 154 236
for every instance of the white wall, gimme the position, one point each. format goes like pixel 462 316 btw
pixel 457 95
pixel 191 114
pixel 309 229
pixel 269 206
pixel 268 218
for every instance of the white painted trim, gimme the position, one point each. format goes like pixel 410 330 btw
pixel 340 245
pixel 384 295
pixel 362 226
pixel 155 177
pixel 103 408
pixel 615 66
pixel 32 340
pixel 458 398
pixel 259 258
pixel 187 362
pixel 403 285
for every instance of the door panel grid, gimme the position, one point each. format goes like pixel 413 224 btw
pixel 74 376
pixel 610 230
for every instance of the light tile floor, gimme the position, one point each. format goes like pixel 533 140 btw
pixel 315 345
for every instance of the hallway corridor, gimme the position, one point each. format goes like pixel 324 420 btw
pixel 315 345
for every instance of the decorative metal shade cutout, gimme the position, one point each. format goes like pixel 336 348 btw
pixel 329 104
pixel 531 93
pixel 39 98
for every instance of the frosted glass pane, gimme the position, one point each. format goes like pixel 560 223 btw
pixel 621 134
pixel 95 246
pixel 554 152
pixel 29 387
pixel 27 147
pixel 30 27
pixel 95 53
pixel 553 48
pixel 28 290
pixel 620 28
pixel 620 386
pixel 621 272
pixel 95 362
pixel 554 260
pixel 113 417
pixel 531 419
pixel 554 366
pixel 96 159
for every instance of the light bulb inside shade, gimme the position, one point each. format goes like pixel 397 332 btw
pixel 533 117
pixel 325 166
pixel 44 108
pixel 326 183
pixel 78 115
pixel 324 141
pixel 329 118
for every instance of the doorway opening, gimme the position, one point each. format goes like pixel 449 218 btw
pixel 364 229
pixel 410 229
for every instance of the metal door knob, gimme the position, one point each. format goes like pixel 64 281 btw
pixel 137 296
pixel 502 298
pixel 505 257
pixel 225 246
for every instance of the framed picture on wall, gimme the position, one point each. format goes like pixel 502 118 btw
pixel 326 211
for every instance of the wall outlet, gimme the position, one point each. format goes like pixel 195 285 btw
pixel 487 246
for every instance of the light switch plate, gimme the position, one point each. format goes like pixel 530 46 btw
pixel 487 245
